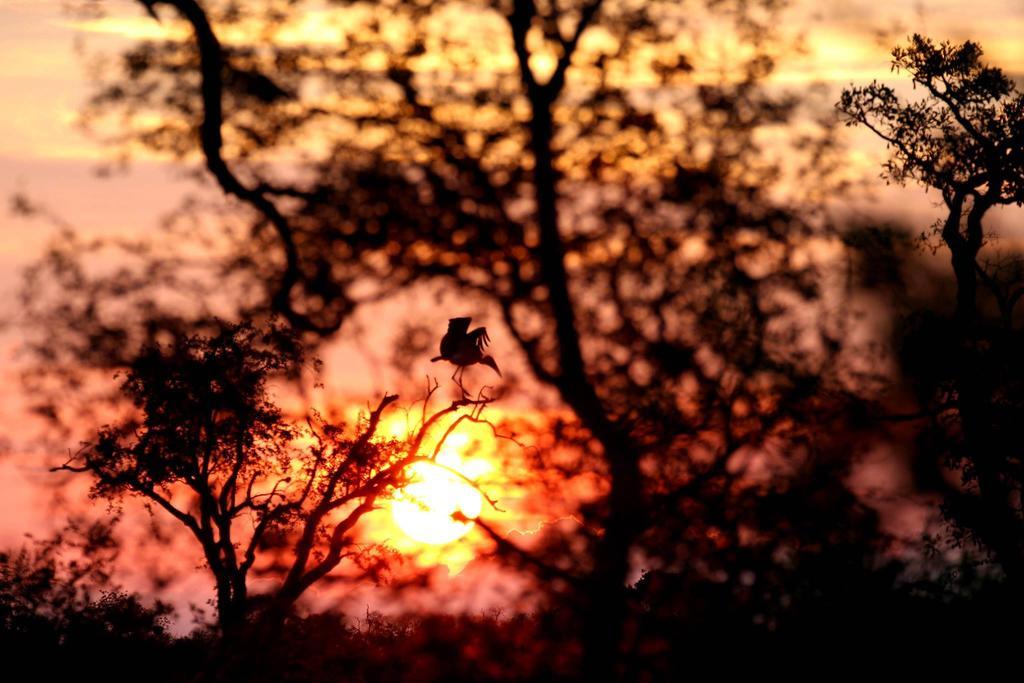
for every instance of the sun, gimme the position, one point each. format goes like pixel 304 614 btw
pixel 423 509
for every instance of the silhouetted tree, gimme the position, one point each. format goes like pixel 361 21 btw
pixel 965 138
pixel 210 448
pixel 62 615
pixel 41 583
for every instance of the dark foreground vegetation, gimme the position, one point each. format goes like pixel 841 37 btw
pixel 834 615
pixel 657 269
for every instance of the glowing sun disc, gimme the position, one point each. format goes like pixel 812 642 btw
pixel 423 509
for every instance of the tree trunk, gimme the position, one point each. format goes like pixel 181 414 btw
pixel 964 265
pixel 606 606
pixel 998 526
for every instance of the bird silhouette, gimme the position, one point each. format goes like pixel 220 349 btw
pixel 463 347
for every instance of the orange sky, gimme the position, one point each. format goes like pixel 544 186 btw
pixel 43 154
pixel 43 81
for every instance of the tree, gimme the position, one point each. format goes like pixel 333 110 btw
pixel 965 138
pixel 615 209
pixel 41 586
pixel 61 610
pixel 210 448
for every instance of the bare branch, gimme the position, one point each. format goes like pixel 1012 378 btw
pixel 211 66
pixel 557 82
pixel 525 556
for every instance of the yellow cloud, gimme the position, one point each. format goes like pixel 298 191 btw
pixel 134 28
pixel 317 27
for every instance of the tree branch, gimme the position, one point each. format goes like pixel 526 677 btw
pixel 211 61
pixel 557 82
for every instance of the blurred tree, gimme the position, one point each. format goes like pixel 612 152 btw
pixel 61 613
pixel 965 138
pixel 598 172
pixel 40 583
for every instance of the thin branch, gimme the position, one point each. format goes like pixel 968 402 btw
pixel 523 12
pixel 508 547
pixel 211 64
pixel 557 82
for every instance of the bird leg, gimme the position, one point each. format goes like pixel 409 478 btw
pixel 457 378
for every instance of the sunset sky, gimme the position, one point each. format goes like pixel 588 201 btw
pixel 42 76
pixel 44 80
pixel 46 156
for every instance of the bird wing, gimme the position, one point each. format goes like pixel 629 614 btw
pixel 480 337
pixel 458 326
